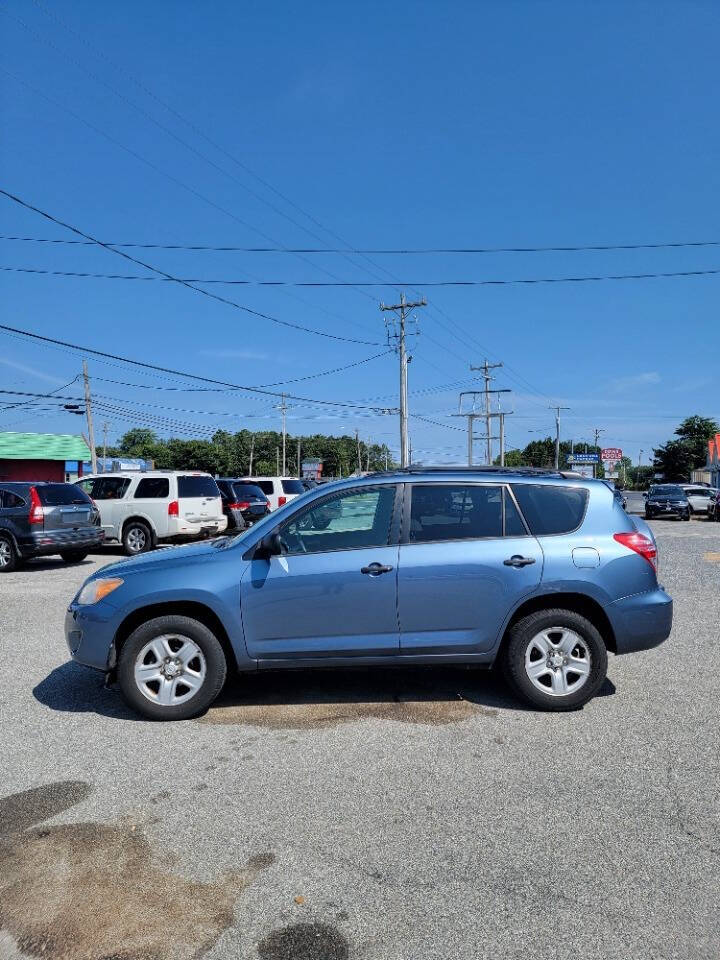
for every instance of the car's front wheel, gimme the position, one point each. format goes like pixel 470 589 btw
pixel 555 659
pixel 171 668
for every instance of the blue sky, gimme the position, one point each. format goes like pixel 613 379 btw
pixel 401 125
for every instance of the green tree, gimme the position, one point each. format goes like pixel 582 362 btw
pixel 695 431
pixel 674 460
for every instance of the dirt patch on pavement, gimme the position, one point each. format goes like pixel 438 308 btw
pixel 293 701
pixel 304 941
pixel 91 891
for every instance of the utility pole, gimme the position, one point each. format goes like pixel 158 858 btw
pixel 252 451
pixel 283 411
pixel 472 416
pixel 502 439
pixel 598 431
pixel 401 309
pixel 485 373
pixel 357 444
pixel 298 459
pixel 277 462
pixel 557 434
pixel 88 414
pixel 105 432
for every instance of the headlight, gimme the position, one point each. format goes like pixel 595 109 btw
pixel 95 590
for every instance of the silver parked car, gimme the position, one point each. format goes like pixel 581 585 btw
pixel 698 497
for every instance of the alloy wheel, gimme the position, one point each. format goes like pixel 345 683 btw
pixel 136 539
pixel 557 661
pixel 170 670
pixel 6 553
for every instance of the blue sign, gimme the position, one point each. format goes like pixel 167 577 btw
pixel 583 458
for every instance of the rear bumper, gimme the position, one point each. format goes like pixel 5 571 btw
pixel 641 621
pixel 180 527
pixel 46 542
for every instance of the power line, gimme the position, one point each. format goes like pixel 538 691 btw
pixel 178 373
pixel 184 283
pixel 355 283
pixel 399 251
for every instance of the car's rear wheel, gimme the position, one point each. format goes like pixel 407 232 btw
pixel 8 554
pixel 136 538
pixel 555 659
pixel 171 668
pixel 74 556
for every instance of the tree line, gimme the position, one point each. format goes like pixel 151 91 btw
pixel 229 454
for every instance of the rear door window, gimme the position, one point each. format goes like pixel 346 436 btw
pixel 110 488
pixel 447 511
pixel 248 491
pixel 60 494
pixel 190 487
pixel 153 488
pixel 266 486
pixel 550 509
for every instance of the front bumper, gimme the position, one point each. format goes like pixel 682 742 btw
pixel 90 631
pixel 672 511
pixel 46 542
pixel 641 621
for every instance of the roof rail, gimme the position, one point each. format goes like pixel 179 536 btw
pixel 450 468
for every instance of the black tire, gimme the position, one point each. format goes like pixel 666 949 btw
pixel 74 556
pixel 523 632
pixel 686 517
pixel 215 665
pixel 136 538
pixel 9 559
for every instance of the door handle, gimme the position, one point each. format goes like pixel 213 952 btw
pixel 375 569
pixel 517 561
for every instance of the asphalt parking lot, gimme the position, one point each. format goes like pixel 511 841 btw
pixel 392 815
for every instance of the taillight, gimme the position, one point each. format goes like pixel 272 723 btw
pixel 282 501
pixel 173 509
pixel 37 514
pixel 639 543
pixel 239 506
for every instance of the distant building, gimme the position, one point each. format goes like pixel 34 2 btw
pixel 712 468
pixel 119 465
pixel 42 456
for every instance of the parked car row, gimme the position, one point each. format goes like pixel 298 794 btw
pixel 138 510
pixel 681 501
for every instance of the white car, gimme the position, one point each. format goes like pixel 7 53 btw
pixel 698 497
pixel 141 509
pixel 278 490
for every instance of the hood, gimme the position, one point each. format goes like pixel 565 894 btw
pixel 163 557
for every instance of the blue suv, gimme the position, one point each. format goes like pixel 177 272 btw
pixel 539 571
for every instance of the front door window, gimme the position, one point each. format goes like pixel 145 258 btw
pixel 347 521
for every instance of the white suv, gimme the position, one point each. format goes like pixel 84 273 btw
pixel 139 509
pixel 278 490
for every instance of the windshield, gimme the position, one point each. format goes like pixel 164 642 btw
pixel 245 490
pixel 667 490
pixel 262 526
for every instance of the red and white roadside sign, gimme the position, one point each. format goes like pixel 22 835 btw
pixel 611 453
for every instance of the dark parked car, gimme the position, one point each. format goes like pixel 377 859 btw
pixel 617 493
pixel 667 500
pixel 713 508
pixel 38 519
pixel 243 503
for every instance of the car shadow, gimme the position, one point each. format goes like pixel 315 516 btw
pixel 294 699
pixel 43 564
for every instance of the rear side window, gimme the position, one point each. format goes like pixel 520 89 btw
pixel 60 494
pixel 266 486
pixel 551 509
pixel 197 487
pixel 153 488
pixel 292 486
pixel 10 500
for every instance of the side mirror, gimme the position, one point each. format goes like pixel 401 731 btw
pixel 269 546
